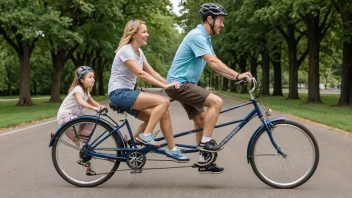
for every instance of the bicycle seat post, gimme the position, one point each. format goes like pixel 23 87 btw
pixel 124 116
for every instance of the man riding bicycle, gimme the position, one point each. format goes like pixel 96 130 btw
pixel 193 53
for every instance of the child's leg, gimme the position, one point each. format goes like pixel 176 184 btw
pixel 71 133
pixel 72 136
pixel 85 131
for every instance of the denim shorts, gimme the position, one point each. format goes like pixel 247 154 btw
pixel 125 99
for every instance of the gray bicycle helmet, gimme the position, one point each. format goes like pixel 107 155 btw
pixel 211 9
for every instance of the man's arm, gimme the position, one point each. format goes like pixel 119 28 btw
pixel 219 67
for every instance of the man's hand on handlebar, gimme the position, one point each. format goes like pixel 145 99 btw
pixel 245 76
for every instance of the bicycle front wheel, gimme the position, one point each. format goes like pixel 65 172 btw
pixel 288 171
pixel 71 163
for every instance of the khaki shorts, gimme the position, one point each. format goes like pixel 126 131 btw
pixel 191 96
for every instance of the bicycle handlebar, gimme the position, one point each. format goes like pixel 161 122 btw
pixel 255 83
pixel 104 110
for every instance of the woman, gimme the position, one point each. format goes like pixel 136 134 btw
pixel 130 63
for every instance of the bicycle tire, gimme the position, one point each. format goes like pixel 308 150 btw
pixel 64 173
pixel 256 154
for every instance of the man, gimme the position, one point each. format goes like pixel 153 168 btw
pixel 194 52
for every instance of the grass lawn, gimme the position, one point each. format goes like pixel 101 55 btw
pixel 33 97
pixel 327 113
pixel 11 115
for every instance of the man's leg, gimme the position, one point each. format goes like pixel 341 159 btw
pixel 199 123
pixel 214 104
pixel 211 168
pixel 193 98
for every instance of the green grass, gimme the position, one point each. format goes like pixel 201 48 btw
pixel 11 115
pixel 327 113
pixel 16 97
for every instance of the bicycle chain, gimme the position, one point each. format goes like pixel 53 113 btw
pixel 159 168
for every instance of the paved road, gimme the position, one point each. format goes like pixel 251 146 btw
pixel 26 168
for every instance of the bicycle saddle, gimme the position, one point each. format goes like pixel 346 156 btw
pixel 115 107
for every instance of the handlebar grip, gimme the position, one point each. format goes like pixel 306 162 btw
pixel 105 110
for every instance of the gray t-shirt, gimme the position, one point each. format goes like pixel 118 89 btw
pixel 121 76
pixel 70 107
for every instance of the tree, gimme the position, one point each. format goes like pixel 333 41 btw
pixel 282 16
pixel 21 29
pixel 344 8
pixel 311 12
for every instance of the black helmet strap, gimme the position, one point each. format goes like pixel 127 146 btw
pixel 212 26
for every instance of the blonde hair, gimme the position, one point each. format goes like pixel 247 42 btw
pixel 132 27
pixel 76 81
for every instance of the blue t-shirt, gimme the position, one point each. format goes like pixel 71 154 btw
pixel 188 64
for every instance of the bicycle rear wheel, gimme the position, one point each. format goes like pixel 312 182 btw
pixel 66 153
pixel 289 171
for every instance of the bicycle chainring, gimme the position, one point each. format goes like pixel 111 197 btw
pixel 135 159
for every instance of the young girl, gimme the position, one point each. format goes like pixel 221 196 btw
pixel 76 100
pixel 129 63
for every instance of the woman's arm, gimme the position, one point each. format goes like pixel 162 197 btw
pixel 149 69
pixel 133 66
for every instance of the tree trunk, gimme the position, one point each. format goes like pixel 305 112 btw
pixel 346 76
pixel 254 63
pixel 243 63
pixel 276 61
pixel 58 64
pixel 232 82
pixel 293 64
pixel 100 77
pixel 313 52
pixel 9 80
pixel 25 90
pixel 225 84
pixel 217 82
pixel 34 87
pixel 265 72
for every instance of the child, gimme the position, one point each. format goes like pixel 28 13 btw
pixel 76 100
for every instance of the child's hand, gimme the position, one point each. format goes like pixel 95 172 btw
pixel 97 109
pixel 101 107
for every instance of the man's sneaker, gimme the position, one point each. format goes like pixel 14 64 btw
pixel 176 155
pixel 147 139
pixel 210 169
pixel 210 146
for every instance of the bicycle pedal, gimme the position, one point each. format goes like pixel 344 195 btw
pixel 134 171
pixel 85 164
pixel 90 172
pixel 210 151
pixel 195 165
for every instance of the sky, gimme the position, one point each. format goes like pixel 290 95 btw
pixel 175 7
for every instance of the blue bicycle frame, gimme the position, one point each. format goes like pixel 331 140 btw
pixel 187 148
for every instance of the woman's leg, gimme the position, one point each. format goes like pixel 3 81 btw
pixel 158 104
pixel 165 126
pixel 140 129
